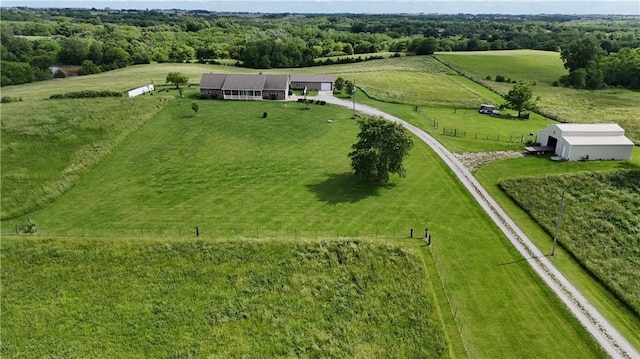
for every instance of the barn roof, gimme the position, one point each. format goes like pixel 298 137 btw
pixel 597 140
pixel 312 78
pixel 590 129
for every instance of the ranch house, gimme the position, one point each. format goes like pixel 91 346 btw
pixel 244 87
pixel 598 141
pixel 312 82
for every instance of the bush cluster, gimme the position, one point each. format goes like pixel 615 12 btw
pixel 9 99
pixel 317 102
pixel 86 94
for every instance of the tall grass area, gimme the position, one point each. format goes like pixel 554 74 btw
pixel 600 222
pixel 543 67
pixel 106 298
pixel 48 146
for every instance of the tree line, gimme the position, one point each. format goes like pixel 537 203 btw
pixel 33 40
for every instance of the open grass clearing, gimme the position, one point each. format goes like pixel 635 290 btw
pixel 580 106
pixel 491 174
pixel 227 168
pixel 48 146
pixel 417 89
pixel 227 298
pixel 474 132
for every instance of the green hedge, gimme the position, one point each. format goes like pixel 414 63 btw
pixel 86 94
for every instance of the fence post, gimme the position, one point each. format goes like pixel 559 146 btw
pixel 411 233
pixel 197 231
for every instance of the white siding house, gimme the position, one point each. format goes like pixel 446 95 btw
pixel 598 141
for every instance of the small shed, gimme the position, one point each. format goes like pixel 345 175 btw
pixel 312 82
pixel 597 141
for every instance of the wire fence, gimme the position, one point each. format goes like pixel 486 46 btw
pixel 214 232
pixel 456 132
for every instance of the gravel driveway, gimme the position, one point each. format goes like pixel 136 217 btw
pixel 607 336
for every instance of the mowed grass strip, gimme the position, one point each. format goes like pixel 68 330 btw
pixel 48 146
pixel 106 298
pixel 601 222
pixel 228 168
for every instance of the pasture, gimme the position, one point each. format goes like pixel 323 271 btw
pixel 234 174
pixel 543 67
pixel 230 298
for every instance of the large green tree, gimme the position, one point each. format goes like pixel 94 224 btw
pixel 381 148
pixel 177 79
pixel 520 97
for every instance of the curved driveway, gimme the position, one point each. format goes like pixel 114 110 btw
pixel 607 336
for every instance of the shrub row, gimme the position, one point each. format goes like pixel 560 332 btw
pixel 86 94
pixel 317 102
pixel 9 99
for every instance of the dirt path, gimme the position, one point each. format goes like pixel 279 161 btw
pixel 614 343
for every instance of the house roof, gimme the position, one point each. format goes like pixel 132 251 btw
pixel 312 78
pixel 212 81
pixel 597 140
pixel 276 82
pixel 244 82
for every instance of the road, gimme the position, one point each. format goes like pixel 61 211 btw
pixel 614 343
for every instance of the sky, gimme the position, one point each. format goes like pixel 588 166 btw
pixel 579 7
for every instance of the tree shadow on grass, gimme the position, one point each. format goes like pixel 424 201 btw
pixel 345 188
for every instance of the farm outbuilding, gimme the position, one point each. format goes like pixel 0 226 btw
pixel 312 82
pixel 598 141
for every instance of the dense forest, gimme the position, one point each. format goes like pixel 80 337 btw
pixel 597 51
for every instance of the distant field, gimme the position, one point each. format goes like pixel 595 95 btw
pixel 106 298
pixel 418 89
pixel 543 67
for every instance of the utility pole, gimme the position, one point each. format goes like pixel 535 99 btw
pixel 353 96
pixel 555 234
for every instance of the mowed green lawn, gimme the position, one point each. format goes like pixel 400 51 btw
pixel 544 67
pixel 233 173
pixel 117 298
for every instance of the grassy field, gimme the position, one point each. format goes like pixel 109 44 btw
pixel 601 222
pixel 543 67
pixel 607 303
pixel 48 146
pixel 233 173
pixel 229 298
